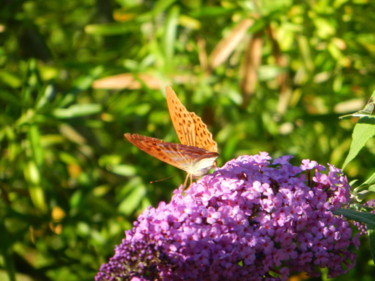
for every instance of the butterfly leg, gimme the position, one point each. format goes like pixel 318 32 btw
pixel 185 181
pixel 188 177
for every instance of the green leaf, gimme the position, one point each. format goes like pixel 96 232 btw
pixel 370 180
pixel 369 184
pixel 170 34
pixel 77 110
pixel 10 79
pixel 361 134
pixel 7 254
pixel 161 6
pixel 367 111
pixel 363 130
pixel 109 28
pixel 47 96
pixel 371 237
pixel 33 177
pixel 9 98
pixel 367 218
pixel 123 170
pixel 32 173
pixel 212 11
pixel 132 200
pixel 36 148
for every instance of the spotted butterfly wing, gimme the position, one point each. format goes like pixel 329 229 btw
pixel 189 128
pixel 194 160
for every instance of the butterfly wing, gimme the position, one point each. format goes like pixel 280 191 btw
pixel 181 118
pixel 203 137
pixel 189 127
pixel 194 160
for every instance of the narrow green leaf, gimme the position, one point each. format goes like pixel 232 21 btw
pixel 77 110
pixel 6 248
pixel 33 177
pixel 132 200
pixel 109 28
pixel 32 174
pixel 367 111
pixel 363 130
pixel 49 92
pixel 361 134
pixel 10 79
pixel 37 197
pixel 370 180
pixel 189 22
pixel 68 158
pixel 161 6
pixel 35 144
pixel 212 11
pixel 371 237
pixel 123 170
pixel 170 34
pixel 9 98
pixel 369 184
pixel 367 218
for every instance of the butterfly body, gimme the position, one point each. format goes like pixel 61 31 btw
pixel 197 152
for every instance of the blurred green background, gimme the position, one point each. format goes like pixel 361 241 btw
pixel 75 75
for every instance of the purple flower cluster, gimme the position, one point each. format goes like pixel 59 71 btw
pixel 252 219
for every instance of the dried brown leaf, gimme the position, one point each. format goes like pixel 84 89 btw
pixel 128 81
pixel 226 46
pixel 250 67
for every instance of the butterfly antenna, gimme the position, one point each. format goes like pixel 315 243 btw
pixel 159 180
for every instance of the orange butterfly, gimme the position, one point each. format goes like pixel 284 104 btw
pixel 197 152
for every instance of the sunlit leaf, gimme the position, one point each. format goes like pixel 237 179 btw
pixel 77 110
pixel 123 170
pixel 212 11
pixel 32 174
pixel 10 79
pixel 132 200
pixel 170 32
pixel 367 111
pixel 109 28
pixel 361 134
pixel 35 143
pixel 46 97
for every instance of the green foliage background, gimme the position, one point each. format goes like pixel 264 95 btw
pixel 70 185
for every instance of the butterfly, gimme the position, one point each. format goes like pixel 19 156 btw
pixel 197 152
